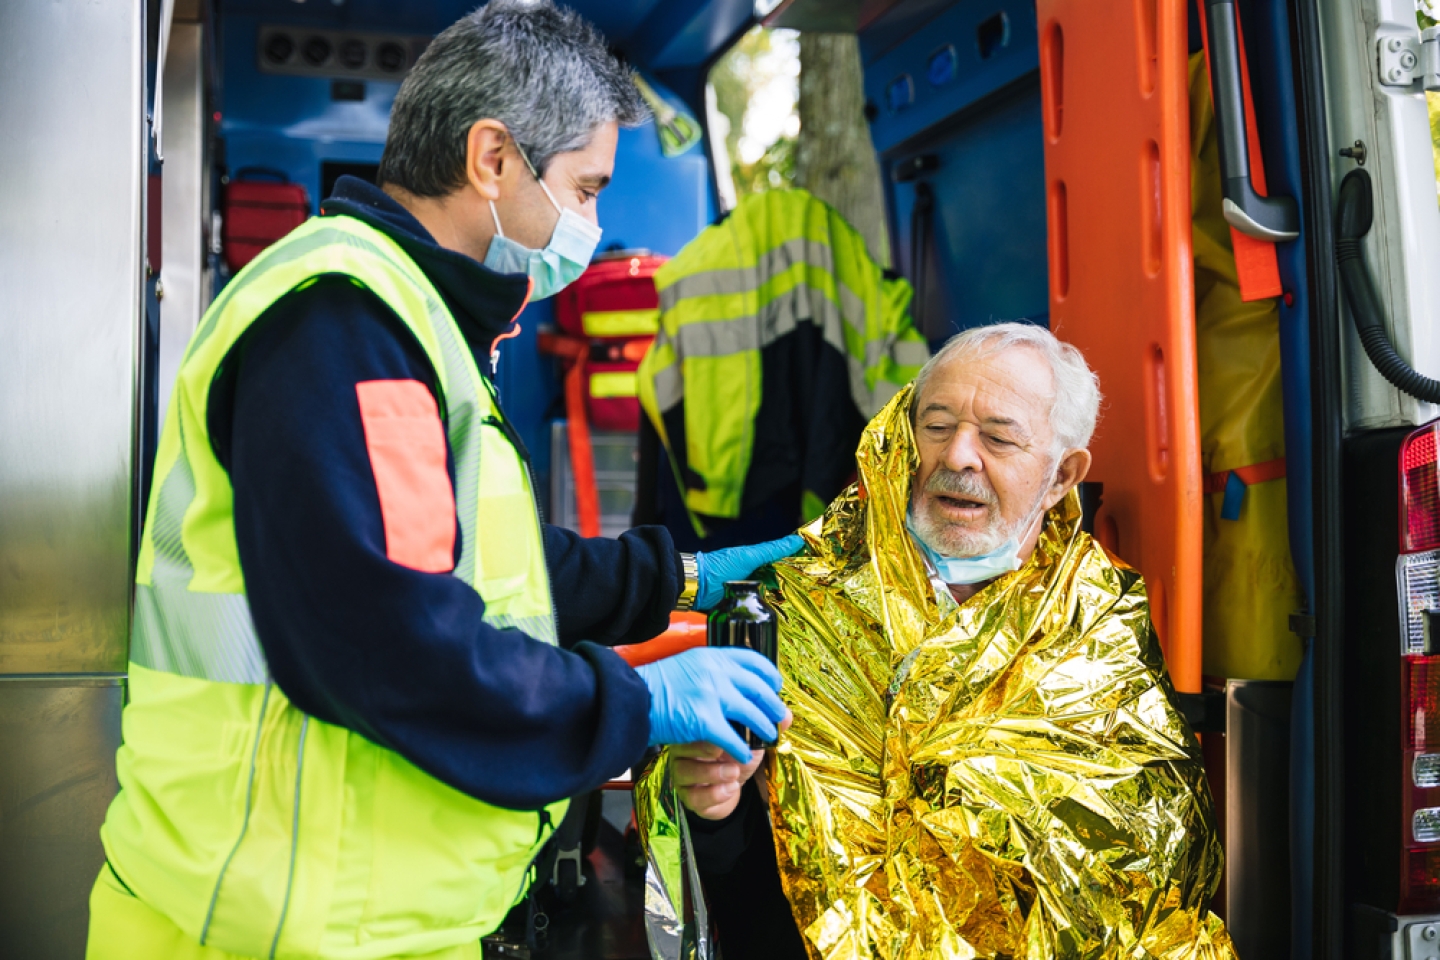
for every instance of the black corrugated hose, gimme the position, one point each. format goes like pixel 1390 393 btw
pixel 1354 212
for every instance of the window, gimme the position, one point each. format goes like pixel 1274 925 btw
pixel 754 121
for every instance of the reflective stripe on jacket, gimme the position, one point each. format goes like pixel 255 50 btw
pixel 255 828
pixel 779 260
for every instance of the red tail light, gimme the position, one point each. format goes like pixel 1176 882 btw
pixel 1419 492
pixel 1417 570
pixel 1422 687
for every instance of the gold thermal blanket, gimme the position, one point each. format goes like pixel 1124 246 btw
pixel 1001 778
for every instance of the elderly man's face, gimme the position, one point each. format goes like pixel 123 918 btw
pixel 988 464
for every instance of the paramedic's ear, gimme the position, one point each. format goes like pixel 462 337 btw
pixel 1073 467
pixel 485 163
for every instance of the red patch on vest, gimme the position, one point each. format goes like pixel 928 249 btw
pixel 406 443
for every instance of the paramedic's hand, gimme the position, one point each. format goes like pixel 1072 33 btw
pixel 737 563
pixel 709 780
pixel 694 695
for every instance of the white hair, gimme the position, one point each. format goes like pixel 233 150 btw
pixel 1075 406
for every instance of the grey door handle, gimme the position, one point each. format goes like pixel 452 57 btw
pixel 1275 219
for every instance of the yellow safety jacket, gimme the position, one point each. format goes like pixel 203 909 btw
pixel 254 828
pixel 779 260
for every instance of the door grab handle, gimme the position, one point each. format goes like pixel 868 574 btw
pixel 1275 219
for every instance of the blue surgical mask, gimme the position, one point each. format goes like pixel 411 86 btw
pixel 957 570
pixel 562 261
pixel 966 570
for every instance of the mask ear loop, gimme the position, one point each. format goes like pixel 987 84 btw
pixel 1039 516
pixel 499 231
pixel 538 179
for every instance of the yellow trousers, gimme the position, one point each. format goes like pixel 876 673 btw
pixel 122 927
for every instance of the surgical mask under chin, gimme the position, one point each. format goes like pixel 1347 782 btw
pixel 564 258
pixel 967 570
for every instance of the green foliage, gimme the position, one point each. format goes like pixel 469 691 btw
pixel 1427 13
pixel 1434 100
pixel 755 82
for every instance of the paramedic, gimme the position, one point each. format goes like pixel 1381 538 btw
pixel 356 708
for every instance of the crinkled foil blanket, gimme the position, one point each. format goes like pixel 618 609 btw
pixel 1002 778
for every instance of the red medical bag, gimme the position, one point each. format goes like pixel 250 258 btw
pixel 614 306
pixel 256 213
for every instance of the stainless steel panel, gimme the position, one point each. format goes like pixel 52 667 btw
pixel 1257 816
pixel 71 181
pixel 57 776
pixel 182 244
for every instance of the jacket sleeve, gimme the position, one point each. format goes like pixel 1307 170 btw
pixel 738 871
pixel 614 591
pixel 400 656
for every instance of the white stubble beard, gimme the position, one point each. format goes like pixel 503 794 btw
pixel 954 540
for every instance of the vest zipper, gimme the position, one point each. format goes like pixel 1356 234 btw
pixel 294 835
pixel 244 823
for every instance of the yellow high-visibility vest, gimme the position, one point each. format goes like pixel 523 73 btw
pixel 253 827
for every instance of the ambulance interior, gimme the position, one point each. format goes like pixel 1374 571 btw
pixel 1036 161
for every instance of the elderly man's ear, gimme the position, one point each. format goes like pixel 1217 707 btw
pixel 1072 469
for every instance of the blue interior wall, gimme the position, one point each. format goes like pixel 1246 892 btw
pixel 980 119
pixel 289 123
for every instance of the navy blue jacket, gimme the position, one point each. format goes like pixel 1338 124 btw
pixel 399 655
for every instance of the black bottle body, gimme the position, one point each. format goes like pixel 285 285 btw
pixel 742 619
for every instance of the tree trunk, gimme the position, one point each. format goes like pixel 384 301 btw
pixel 834 157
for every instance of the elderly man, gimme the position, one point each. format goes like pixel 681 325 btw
pixel 356 708
pixel 984 759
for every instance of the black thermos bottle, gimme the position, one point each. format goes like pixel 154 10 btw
pixel 741 619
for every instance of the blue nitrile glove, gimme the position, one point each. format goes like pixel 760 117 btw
pixel 737 563
pixel 694 695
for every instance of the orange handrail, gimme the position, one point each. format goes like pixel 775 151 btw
pixel 687 631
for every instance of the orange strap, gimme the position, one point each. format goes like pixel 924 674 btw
pixel 575 352
pixel 582 456
pixel 1256 265
pixel 1253 474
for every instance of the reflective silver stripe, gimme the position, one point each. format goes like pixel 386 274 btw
pixel 771 263
pixel 777 318
pixel 176 495
pixel 207 636
pixel 669 387
pixel 540 628
pixel 911 353
pixel 732 280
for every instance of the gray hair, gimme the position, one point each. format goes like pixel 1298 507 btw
pixel 541 70
pixel 1075 406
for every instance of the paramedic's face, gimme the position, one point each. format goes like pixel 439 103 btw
pixel 575 179
pixel 987 464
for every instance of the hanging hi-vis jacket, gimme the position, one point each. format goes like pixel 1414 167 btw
pixel 779 339
pixel 252 827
